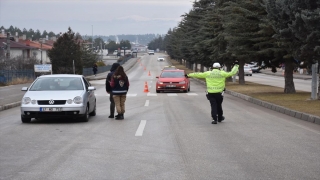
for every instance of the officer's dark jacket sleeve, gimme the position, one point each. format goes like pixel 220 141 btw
pixel 108 79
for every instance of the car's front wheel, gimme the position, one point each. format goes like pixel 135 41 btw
pixel 85 117
pixel 93 113
pixel 157 91
pixel 25 120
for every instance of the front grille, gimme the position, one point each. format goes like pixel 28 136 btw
pixel 56 102
pixel 170 82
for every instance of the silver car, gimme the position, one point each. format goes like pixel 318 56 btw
pixel 61 95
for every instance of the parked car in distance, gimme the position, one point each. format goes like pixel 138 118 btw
pixel 151 52
pixel 169 68
pixel 247 71
pixel 161 58
pixel 255 69
pixel 173 80
pixel 58 96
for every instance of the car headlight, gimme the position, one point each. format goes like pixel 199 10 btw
pixel 182 82
pixel 34 101
pixel 26 100
pixel 77 100
pixel 159 82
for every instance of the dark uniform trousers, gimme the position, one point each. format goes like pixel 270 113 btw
pixel 216 105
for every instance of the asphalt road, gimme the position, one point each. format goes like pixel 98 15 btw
pixel 278 81
pixel 163 136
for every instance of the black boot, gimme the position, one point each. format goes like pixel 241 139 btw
pixel 120 117
pixel 111 116
pixel 221 119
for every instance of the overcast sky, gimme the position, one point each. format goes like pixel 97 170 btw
pixel 102 17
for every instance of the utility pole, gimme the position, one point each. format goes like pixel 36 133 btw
pixel 41 50
pixel 8 46
pixel 314 81
pixel 92 38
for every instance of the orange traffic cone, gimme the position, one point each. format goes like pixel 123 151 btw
pixel 149 74
pixel 146 87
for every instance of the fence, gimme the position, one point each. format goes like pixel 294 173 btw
pixel 9 75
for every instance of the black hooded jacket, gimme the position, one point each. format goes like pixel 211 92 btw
pixel 108 79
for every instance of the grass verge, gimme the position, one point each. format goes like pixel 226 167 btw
pixel 300 101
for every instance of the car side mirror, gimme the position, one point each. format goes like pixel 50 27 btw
pixel 91 88
pixel 186 76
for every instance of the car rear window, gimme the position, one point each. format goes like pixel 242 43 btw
pixel 174 74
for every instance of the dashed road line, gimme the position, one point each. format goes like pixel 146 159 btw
pixel 146 103
pixel 140 129
pixel 172 94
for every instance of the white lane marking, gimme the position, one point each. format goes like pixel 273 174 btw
pixel 147 103
pixel 151 94
pixel 140 129
pixel 192 94
pixel 131 94
pixel 172 94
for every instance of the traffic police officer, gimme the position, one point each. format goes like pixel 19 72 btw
pixel 215 81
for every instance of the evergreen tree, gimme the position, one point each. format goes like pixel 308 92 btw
pixel 64 52
pixel 281 14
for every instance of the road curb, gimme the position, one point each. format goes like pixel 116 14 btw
pixel 274 107
pixel 9 106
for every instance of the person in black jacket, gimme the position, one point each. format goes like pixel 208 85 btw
pixel 120 86
pixel 95 69
pixel 108 88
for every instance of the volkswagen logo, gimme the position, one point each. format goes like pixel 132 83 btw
pixel 51 101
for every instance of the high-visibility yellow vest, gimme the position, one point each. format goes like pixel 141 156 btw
pixel 216 78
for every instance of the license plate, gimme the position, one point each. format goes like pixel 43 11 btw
pixel 171 85
pixel 50 109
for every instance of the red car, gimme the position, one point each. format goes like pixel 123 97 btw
pixel 173 80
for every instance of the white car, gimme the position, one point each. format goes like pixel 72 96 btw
pixel 151 52
pixel 247 71
pixel 160 58
pixel 58 96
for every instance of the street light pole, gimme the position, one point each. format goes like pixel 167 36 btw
pixel 41 51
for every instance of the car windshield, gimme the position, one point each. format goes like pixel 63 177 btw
pixel 172 74
pixel 57 84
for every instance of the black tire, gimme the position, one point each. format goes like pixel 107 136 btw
pixel 93 113
pixel 157 91
pixel 85 117
pixel 25 120
pixel 189 88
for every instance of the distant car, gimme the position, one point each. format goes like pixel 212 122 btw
pixel 173 80
pixel 160 58
pixel 255 69
pixel 247 71
pixel 151 52
pixel 63 95
pixel 169 68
